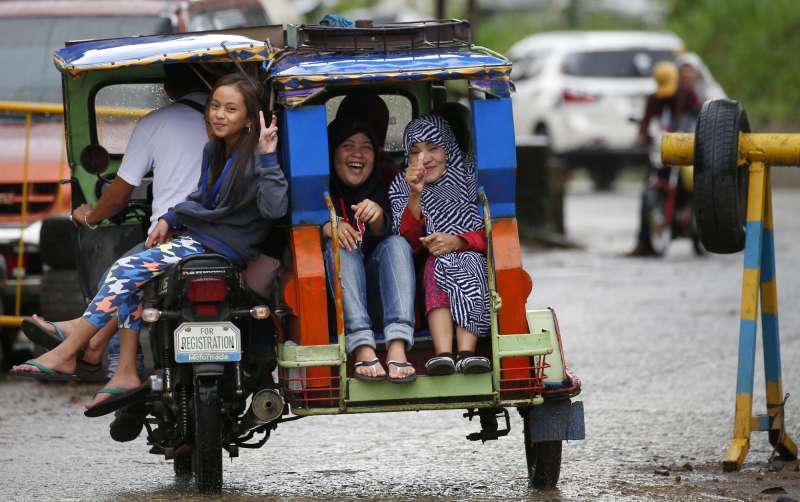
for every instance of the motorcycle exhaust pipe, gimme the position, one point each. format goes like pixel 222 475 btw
pixel 266 406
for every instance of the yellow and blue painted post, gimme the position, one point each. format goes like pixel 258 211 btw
pixel 759 280
pixel 759 287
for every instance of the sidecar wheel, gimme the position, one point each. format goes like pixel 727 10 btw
pixel 207 448
pixel 543 459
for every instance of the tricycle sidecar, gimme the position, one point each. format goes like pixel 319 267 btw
pixel 416 68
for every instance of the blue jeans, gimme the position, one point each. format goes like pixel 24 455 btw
pixel 383 285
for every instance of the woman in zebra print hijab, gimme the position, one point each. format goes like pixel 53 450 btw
pixel 434 207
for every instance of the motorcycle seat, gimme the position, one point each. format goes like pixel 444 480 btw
pixel 204 261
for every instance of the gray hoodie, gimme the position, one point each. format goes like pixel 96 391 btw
pixel 236 226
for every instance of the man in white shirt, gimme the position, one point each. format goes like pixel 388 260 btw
pixel 169 142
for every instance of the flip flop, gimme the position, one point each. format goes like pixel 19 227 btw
pixel 44 374
pixel 118 399
pixel 400 364
pixel 90 373
pixel 368 364
pixel 40 336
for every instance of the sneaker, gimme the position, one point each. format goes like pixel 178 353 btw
pixel 473 364
pixel 440 365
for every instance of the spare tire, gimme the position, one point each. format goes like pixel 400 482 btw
pixel 720 183
pixel 60 295
pixel 57 243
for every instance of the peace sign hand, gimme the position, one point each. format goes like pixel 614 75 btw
pixel 268 138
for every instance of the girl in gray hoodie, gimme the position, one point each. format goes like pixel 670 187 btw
pixel 242 189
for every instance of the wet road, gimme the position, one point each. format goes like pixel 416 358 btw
pixel 655 342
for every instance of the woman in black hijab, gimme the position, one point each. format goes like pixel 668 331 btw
pixel 374 265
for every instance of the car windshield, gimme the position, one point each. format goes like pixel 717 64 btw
pixel 628 63
pixel 27 45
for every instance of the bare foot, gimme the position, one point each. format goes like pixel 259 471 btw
pixel 56 360
pixel 64 326
pixel 90 355
pixel 397 352
pixel 122 382
pixel 366 353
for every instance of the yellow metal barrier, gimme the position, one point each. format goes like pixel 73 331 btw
pixel 757 153
pixel 29 109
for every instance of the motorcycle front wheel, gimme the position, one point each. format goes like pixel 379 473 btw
pixel 658 231
pixel 207 448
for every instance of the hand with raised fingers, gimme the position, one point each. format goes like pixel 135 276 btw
pixel 415 175
pixel 268 138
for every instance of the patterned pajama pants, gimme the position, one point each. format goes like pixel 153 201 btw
pixel 122 288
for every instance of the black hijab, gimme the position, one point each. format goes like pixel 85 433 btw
pixel 373 187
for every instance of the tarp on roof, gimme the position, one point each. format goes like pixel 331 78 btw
pixel 300 70
pixel 175 48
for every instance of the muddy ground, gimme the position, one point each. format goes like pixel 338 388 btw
pixel 654 341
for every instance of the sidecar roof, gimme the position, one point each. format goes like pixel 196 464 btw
pixel 174 48
pixel 303 69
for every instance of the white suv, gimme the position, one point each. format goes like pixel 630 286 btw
pixel 581 91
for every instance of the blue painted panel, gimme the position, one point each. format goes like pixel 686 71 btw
pixel 493 126
pixel 768 256
pixel 747 356
pixel 306 147
pixel 752 246
pixel 499 185
pixel 310 217
pixel 495 153
pixel 772 347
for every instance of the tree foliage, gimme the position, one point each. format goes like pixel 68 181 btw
pixel 751 47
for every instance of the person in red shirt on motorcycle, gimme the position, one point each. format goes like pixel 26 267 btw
pixel 675 103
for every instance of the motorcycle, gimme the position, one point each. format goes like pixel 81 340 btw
pixel 666 209
pixel 213 346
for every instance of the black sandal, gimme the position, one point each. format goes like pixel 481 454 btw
pixel 471 365
pixel 367 364
pixel 440 365
pixel 399 364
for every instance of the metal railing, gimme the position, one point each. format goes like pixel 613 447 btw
pixel 29 109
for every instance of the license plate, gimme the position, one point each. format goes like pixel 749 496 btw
pixel 207 342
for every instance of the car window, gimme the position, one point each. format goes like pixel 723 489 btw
pixel 226 18
pixel 117 109
pixel 27 45
pixel 528 66
pixel 400 112
pixel 629 63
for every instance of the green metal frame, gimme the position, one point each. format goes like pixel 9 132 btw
pixel 78 115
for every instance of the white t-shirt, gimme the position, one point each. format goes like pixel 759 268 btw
pixel 169 141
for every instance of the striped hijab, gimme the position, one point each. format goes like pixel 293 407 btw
pixel 449 206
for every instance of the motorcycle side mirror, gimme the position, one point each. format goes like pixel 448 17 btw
pixel 95 159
